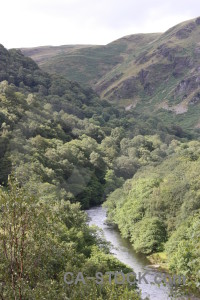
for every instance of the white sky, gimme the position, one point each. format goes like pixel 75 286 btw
pixel 28 23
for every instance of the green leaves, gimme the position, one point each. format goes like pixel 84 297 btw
pixel 159 207
pixel 39 242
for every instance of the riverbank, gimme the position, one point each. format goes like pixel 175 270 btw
pixel 159 260
pixel 123 251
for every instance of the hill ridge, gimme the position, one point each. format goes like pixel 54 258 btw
pixel 154 72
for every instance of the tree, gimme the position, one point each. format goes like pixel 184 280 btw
pixel 27 246
pixel 148 235
pixel 112 182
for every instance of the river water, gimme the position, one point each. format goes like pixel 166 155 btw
pixel 124 251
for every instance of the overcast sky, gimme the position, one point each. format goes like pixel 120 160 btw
pixel 27 23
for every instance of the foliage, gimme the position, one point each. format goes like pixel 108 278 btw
pixel 40 242
pixel 159 209
pixel 55 133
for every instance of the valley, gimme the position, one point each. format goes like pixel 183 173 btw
pixel 86 125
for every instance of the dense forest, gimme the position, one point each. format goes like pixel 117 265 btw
pixel 158 209
pixel 53 163
pixel 62 150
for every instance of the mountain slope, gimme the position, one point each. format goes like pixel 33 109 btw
pixel 88 64
pixel 163 80
pixel 170 67
pixel 153 73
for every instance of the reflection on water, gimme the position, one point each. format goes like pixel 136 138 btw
pixel 123 250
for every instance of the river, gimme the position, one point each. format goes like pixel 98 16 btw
pixel 124 251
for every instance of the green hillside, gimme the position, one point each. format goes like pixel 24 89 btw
pixel 152 73
pixel 69 128
pixel 87 64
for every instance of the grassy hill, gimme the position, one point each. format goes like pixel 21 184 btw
pixel 152 73
pixel 87 64
pixel 44 53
